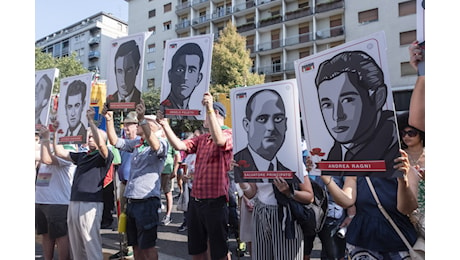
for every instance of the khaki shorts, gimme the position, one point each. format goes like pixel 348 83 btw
pixel 167 184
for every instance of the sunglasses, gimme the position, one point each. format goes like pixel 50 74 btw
pixel 411 133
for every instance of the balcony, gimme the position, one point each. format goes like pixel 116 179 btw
pixel 201 20
pixel 270 20
pixel 183 25
pixel 330 32
pixel 94 55
pixel 324 7
pixel 299 38
pixel 221 12
pixel 299 13
pixel 269 45
pixel 275 68
pixel 94 40
pixel 182 6
pixel 197 4
pixel 246 27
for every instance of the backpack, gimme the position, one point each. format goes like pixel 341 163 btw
pixel 311 217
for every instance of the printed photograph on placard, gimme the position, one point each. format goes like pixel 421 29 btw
pixel 125 71
pixel 74 101
pixel 44 82
pixel 347 107
pixel 186 76
pixel 266 132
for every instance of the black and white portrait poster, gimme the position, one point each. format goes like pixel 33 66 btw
pixel 74 101
pixel 266 132
pixel 347 108
pixel 186 76
pixel 44 82
pixel 125 71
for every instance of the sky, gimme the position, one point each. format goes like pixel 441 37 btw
pixel 53 15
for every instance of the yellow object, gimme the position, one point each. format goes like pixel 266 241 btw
pixel 122 223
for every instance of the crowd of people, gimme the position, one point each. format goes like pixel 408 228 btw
pixel 70 206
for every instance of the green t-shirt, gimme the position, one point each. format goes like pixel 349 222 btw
pixel 169 162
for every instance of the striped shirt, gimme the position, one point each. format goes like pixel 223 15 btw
pixel 211 165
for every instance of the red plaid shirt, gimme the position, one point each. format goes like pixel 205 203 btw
pixel 212 163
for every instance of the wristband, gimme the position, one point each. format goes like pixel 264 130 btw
pixel 351 216
pixel 210 111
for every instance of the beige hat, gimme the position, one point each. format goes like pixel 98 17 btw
pixel 131 118
pixel 150 117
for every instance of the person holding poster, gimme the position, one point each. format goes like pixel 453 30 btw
pixel 207 214
pixel 184 75
pixel 43 89
pixel 352 92
pixel 127 64
pixel 75 102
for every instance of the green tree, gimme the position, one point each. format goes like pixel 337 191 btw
pixel 68 66
pixel 231 63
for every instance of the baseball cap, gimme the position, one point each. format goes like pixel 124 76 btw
pixel 219 107
pixel 131 118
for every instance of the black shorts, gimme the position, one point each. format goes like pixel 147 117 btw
pixel 208 220
pixel 51 219
pixel 142 222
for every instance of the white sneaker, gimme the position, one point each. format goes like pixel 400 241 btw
pixel 166 220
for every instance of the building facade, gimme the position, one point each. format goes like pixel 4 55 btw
pixel 280 31
pixel 90 38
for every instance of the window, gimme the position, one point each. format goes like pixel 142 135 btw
pixel 167 26
pixel 151 65
pixel 151 48
pixel 368 16
pixel 304 4
pixel 151 83
pixel 407 69
pixel 276 64
pixel 407 8
pixel 152 13
pixel 407 37
pixel 304 53
pixel 167 8
pixel 152 29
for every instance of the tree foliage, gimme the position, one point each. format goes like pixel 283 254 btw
pixel 68 66
pixel 231 63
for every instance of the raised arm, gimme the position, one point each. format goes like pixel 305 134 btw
pixel 111 133
pixel 59 149
pixel 45 148
pixel 214 127
pixel 149 127
pixel 99 139
pixel 407 185
pixel 172 138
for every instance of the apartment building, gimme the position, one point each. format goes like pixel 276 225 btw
pixel 280 31
pixel 90 38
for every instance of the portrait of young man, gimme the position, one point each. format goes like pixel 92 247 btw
pixel 356 109
pixel 125 82
pixel 73 103
pixel 187 74
pixel 265 120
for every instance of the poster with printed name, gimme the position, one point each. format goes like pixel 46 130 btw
pixel 125 71
pixel 44 82
pixel 347 109
pixel 186 77
pixel 74 101
pixel 266 132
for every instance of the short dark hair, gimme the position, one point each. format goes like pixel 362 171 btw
pixel 279 103
pixel 361 68
pixel 129 47
pixel 75 88
pixel 403 122
pixel 188 49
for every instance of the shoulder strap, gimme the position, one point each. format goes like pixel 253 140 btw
pixel 387 216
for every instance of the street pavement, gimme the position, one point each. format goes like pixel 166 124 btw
pixel 172 245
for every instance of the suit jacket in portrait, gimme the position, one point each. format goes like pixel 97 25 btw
pixel 135 98
pixel 168 104
pixel 246 163
pixel 82 131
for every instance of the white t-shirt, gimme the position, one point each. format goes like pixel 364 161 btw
pixel 54 183
pixel 265 192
